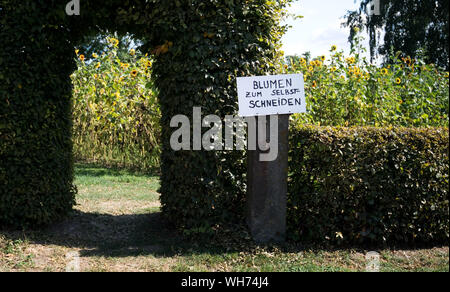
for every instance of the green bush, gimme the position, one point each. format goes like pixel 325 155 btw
pixel 199 48
pixel 369 185
pixel 36 169
pixel 208 45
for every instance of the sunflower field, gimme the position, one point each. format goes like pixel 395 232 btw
pixel 116 113
pixel 350 91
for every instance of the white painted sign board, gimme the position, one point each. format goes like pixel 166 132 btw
pixel 271 95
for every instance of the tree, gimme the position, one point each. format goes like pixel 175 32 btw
pixel 414 27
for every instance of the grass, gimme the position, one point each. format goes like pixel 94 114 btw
pixel 117 226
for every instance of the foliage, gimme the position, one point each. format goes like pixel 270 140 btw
pixel 116 111
pixel 199 48
pixel 348 90
pixel 408 26
pixel 36 169
pixel 369 185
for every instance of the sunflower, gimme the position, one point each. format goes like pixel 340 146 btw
pixel 134 73
pixel 314 84
pixel 114 41
pixel 350 60
pixel 333 48
pixel 311 68
pixel 94 55
pixel 82 58
pixel 446 74
pixel 302 61
pixel 384 71
pixel 132 52
pixel 408 61
pixel 77 51
pixel 398 81
pixel 322 58
pixel 98 65
pixel 333 69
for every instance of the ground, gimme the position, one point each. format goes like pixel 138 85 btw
pixel 116 226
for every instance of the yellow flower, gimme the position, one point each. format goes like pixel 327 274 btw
pixel 333 48
pixel 322 58
pixel 132 52
pixel 95 76
pixel 114 41
pixel 333 69
pixel 94 55
pixel 82 58
pixel 117 94
pixel 77 51
pixel 314 84
pixel 350 60
pixel 312 63
pixel 311 68
pixel 384 71
pixel 408 61
pixel 134 73
pixel 398 81
pixel 446 74
pixel 318 63
pixel 102 91
pixel 124 65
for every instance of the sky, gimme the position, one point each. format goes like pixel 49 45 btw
pixel 320 28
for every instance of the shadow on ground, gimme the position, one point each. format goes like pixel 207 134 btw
pixel 109 235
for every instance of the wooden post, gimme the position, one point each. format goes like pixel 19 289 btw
pixel 267 188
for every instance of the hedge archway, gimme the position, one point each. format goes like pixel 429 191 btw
pixel 200 48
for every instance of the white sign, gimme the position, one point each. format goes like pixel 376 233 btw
pixel 271 95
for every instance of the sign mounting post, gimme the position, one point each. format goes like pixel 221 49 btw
pixel 276 97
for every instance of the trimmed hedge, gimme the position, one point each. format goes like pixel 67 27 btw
pixel 199 48
pixel 36 169
pixel 213 42
pixel 369 185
